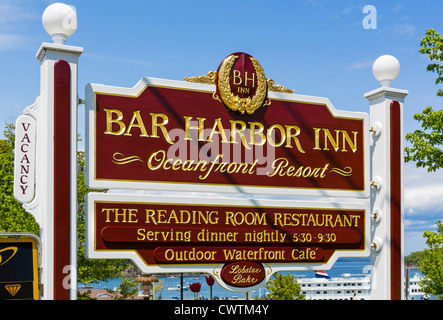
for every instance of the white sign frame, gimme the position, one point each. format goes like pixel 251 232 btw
pixel 215 269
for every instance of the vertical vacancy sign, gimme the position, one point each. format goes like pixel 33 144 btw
pixel 24 159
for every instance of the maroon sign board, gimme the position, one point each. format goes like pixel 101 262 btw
pixel 164 233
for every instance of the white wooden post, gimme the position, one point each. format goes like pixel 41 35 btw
pixel 386 120
pixel 58 282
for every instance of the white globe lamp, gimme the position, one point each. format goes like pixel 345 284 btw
pixel 59 21
pixel 385 69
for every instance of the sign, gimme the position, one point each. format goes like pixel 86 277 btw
pixel 243 273
pixel 233 130
pixel 231 135
pixel 241 83
pixel 18 269
pixel 24 159
pixel 168 232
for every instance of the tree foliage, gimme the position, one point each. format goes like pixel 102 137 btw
pixel 426 148
pixel 284 287
pixel 128 289
pixel 427 152
pixel 432 45
pixel 431 264
pixel 13 218
pixel 413 259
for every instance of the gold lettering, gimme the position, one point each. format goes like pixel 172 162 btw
pixel 253 79
pixel 243 90
pixel 141 235
pixel 110 121
pixel 294 136
pixel 163 216
pixel 235 131
pixel 352 144
pixel 133 215
pixel 126 215
pixel 237 76
pixel 304 254
pixel 220 130
pixel 328 136
pixel 200 127
pixel 107 214
pixel 258 132
pixel 281 163
pixel 335 142
pixel 136 117
pixel 282 168
pixel 156 124
pixel 271 135
pixel 153 157
pixel 206 235
pixel 248 218
pixel 317 139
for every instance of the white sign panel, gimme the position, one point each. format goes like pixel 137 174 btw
pixel 176 234
pixel 24 163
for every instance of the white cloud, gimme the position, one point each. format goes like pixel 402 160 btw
pixel 423 196
pixel 414 241
pixel 361 64
pixel 419 225
pixel 119 60
pixel 12 16
pixel 13 12
pixel 11 41
pixel 397 8
pixel 404 30
pixel 423 192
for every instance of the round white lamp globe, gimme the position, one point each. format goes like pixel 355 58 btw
pixel 60 21
pixel 385 69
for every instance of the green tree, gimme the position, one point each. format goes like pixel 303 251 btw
pixel 13 218
pixel 284 287
pixel 427 152
pixel 413 259
pixel 426 144
pixel 431 264
pixel 128 289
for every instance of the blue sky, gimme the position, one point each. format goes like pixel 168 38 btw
pixel 316 47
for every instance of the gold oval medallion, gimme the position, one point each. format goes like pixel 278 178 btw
pixel 241 83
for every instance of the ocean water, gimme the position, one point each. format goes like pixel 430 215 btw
pixel 171 283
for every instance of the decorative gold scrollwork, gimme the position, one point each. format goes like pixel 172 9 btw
pixel 277 87
pixel 119 158
pixel 232 101
pixel 208 79
pixel 346 172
